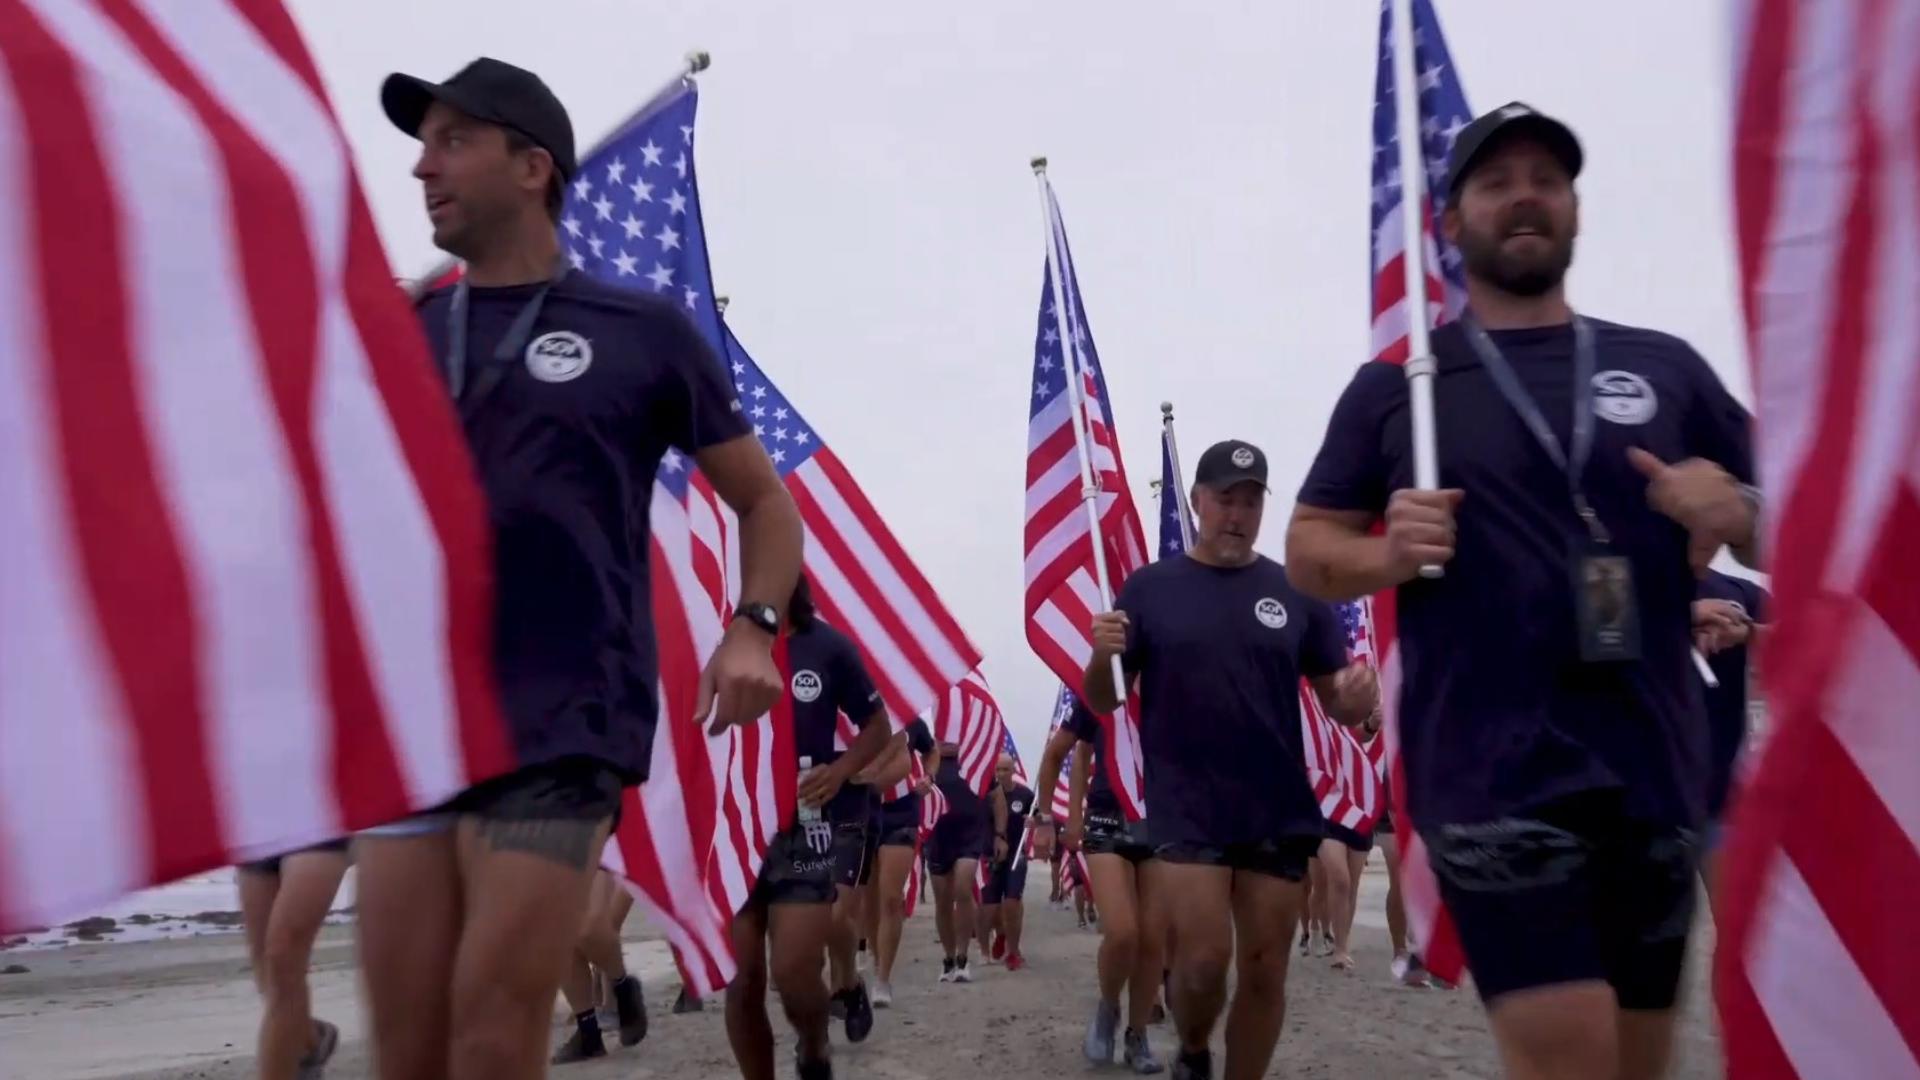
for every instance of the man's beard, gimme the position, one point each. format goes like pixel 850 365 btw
pixel 1521 275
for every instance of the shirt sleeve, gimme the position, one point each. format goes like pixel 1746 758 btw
pixel 1759 602
pixel 853 689
pixel 1323 649
pixel 1351 472
pixel 1083 724
pixel 700 408
pixel 1718 428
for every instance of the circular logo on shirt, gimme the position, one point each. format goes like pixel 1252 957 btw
pixel 806 686
pixel 1623 397
pixel 560 356
pixel 1270 612
pixel 1018 806
pixel 1243 457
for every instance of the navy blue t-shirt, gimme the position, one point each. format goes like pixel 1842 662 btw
pixel 1101 801
pixel 1727 705
pixel 963 803
pixel 919 744
pixel 829 679
pixel 1220 652
pixel 566 441
pixel 1498 714
pixel 1019 805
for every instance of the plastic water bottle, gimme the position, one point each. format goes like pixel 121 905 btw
pixel 809 815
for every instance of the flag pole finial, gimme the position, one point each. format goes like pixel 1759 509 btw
pixel 1039 165
pixel 1166 409
pixel 721 303
pixel 698 61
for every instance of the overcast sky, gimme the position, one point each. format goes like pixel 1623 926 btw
pixel 869 209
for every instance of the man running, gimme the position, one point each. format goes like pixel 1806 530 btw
pixel 898 825
pixel 283 902
pixel 1119 857
pixel 596 957
pixel 1002 912
pixel 1219 641
pixel 1552 733
pixel 791 908
pixel 570 393
pixel 953 854
pixel 1726 621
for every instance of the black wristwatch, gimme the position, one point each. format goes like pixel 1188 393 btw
pixel 760 615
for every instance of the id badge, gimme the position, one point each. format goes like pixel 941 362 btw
pixel 1604 606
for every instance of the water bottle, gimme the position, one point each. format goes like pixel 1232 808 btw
pixel 809 815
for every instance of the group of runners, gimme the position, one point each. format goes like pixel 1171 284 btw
pixel 1555 742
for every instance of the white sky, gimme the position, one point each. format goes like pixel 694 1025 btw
pixel 869 209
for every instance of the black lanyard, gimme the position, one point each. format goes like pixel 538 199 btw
pixel 1572 461
pixel 503 353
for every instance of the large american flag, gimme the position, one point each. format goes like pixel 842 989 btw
pixel 1062 591
pixel 1443 113
pixel 632 218
pixel 243 603
pixel 1814 971
pixel 1344 772
pixel 968 716
pixel 1062 710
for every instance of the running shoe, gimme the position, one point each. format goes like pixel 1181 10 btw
pixel 961 973
pixel 1098 1046
pixel 632 1009
pixel 578 1048
pixel 1015 961
pixel 946 970
pixel 1139 1056
pixel 859 1013
pixel 882 994
pixel 326 1039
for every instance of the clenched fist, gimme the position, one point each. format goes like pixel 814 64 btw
pixel 1420 529
pixel 1109 634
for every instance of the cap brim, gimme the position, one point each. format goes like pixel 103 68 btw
pixel 406 99
pixel 1234 480
pixel 1557 137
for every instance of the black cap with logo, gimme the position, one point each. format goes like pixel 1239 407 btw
pixel 1231 462
pixel 493 91
pixel 1507 121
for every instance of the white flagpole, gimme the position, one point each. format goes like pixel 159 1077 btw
pixel 696 62
pixel 1413 186
pixel 1076 398
pixel 1179 477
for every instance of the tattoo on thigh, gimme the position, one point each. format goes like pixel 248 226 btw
pixel 569 843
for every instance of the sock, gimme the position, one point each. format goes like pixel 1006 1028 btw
pixel 946 964
pixel 588 1020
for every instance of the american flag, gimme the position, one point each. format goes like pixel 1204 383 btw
pixel 1443 113
pixel 968 716
pixel 632 218
pixel 933 806
pixel 1175 514
pixel 1062 591
pixel 1345 775
pixel 1062 709
pixel 243 601
pixel 1814 971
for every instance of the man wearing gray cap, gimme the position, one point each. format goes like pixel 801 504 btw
pixel 1552 733
pixel 570 392
pixel 1216 642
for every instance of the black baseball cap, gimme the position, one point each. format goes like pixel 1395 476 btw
pixel 490 90
pixel 1512 119
pixel 1231 462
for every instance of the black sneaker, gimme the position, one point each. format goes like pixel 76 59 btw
pixel 579 1047
pixel 326 1039
pixel 859 1014
pixel 686 1003
pixel 632 1008
pixel 811 1070
pixel 1190 1066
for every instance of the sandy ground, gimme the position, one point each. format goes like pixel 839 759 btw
pixel 180 1009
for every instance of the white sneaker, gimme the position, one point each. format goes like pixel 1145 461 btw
pixel 882 995
pixel 962 973
pixel 946 974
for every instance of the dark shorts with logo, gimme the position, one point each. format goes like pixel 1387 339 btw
pixel 1573 892
pixel 1356 841
pixel 566 789
pixel 1005 882
pixel 272 865
pixel 954 839
pixel 898 826
pixel 1284 858
pixel 802 865
pixel 869 848
pixel 1113 834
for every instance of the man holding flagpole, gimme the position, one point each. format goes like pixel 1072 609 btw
pixel 1552 733
pixel 1216 642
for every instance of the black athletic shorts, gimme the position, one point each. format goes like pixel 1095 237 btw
pixel 1283 858
pixel 898 827
pixel 272 865
pixel 1112 834
pixel 1384 825
pixel 954 839
pixel 1354 840
pixel 566 789
pixel 1575 891
pixel 1005 882
pixel 853 852
pixel 799 868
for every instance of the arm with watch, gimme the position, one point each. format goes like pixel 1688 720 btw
pixel 740 682
pixel 1059 745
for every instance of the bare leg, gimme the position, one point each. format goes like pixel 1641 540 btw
pixel 986 920
pixel 960 887
pixel 527 888
pixel 1396 912
pixel 1333 869
pixel 1564 1032
pixel 798 933
pixel 1013 917
pixel 1265 910
pixel 1646 1043
pixel 600 932
pixel 257 890
pixel 1150 960
pixel 308 882
pixel 943 924
pixel 748 1030
pixel 407 892
pixel 1114 883
pixel 891 877
pixel 843 941
pixel 1200 906
pixel 1356 864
